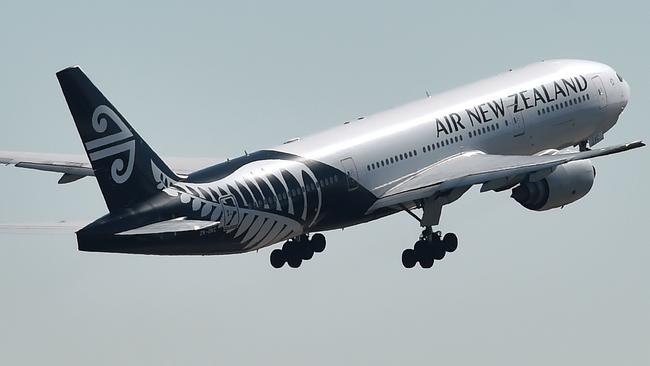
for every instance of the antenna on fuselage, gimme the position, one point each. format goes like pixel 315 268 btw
pixel 427 93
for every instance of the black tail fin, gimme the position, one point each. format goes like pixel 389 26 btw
pixel 121 160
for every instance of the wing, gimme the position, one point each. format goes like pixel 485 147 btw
pixel 495 172
pixel 74 167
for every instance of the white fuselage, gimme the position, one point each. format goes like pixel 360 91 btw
pixel 334 178
pixel 553 121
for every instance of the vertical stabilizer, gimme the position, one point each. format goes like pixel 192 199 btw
pixel 121 160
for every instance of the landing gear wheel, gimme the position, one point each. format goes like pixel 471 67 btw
pixel 317 242
pixel 431 247
pixel 450 242
pixel 287 246
pixel 426 261
pixel 438 251
pixel 306 252
pixel 277 258
pixel 421 246
pixel 296 250
pixel 294 261
pixel 408 258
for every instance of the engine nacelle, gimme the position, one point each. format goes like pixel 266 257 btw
pixel 566 184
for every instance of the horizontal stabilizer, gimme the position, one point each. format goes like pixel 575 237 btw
pixel 171 226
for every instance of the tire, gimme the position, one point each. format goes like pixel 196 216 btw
pixel 438 251
pixel 426 262
pixel 294 261
pixel 450 242
pixel 277 258
pixel 421 247
pixel 306 251
pixel 317 242
pixel 408 258
pixel 287 246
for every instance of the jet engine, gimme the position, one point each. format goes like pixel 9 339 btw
pixel 566 184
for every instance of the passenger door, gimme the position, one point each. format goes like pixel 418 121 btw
pixel 515 120
pixel 230 218
pixel 600 90
pixel 350 170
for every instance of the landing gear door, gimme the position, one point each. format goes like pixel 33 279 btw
pixel 600 90
pixel 515 121
pixel 230 218
pixel 352 176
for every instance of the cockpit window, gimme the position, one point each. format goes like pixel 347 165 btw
pixel 619 77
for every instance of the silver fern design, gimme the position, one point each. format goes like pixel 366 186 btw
pixel 100 148
pixel 260 203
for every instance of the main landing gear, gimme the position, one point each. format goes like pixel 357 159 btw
pixel 431 246
pixel 298 249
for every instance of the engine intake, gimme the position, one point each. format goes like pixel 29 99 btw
pixel 566 184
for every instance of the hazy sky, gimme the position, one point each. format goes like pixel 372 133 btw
pixel 566 286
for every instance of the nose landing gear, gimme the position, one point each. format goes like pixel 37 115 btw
pixel 432 246
pixel 297 250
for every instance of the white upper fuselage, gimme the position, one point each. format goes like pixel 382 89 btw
pixel 348 175
pixel 387 147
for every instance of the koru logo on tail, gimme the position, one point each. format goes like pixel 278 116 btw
pixel 106 147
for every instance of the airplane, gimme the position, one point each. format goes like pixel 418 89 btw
pixel 530 130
